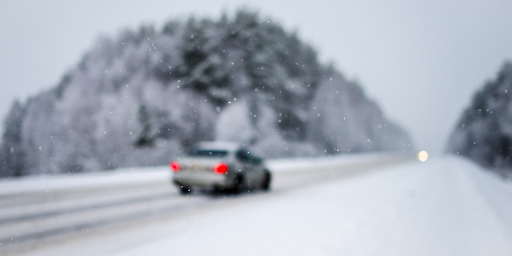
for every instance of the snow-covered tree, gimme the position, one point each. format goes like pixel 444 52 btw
pixel 484 132
pixel 12 154
pixel 149 94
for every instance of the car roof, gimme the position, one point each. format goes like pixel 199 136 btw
pixel 219 145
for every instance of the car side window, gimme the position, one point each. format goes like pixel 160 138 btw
pixel 257 160
pixel 245 155
pixel 242 155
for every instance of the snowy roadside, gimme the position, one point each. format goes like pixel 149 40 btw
pixel 447 206
pixel 159 174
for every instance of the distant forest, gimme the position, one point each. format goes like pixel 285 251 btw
pixel 484 132
pixel 147 95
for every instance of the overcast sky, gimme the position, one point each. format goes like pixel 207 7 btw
pixel 421 61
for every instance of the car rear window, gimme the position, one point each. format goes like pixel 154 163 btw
pixel 208 153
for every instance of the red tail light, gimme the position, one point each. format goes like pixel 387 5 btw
pixel 221 168
pixel 174 166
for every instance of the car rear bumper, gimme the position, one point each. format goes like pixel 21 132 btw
pixel 201 179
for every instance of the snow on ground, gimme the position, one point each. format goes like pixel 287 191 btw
pixel 445 206
pixel 141 175
pixel 120 177
pixel 308 163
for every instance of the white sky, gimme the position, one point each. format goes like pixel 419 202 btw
pixel 420 60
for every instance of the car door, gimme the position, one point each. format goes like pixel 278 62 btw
pixel 244 157
pixel 258 169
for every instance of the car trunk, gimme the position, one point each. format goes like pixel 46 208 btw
pixel 203 164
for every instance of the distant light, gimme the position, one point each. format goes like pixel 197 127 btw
pixel 423 156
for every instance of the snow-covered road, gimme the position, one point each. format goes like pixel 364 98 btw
pixel 446 206
pixel 42 210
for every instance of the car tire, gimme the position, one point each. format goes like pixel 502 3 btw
pixel 185 190
pixel 266 181
pixel 239 184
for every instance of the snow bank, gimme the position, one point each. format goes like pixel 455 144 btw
pixel 306 163
pixel 159 174
pixel 120 177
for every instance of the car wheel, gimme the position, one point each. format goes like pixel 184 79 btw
pixel 239 185
pixel 266 182
pixel 185 190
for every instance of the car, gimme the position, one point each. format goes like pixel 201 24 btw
pixel 220 166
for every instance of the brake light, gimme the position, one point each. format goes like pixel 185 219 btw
pixel 174 166
pixel 221 168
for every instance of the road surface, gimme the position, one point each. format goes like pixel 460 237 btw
pixel 32 219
